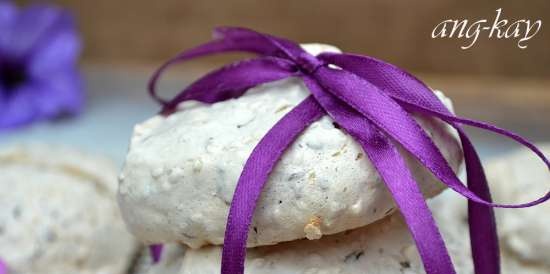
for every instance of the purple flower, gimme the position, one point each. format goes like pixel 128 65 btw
pixel 39 77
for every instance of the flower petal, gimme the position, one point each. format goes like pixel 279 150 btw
pixel 30 28
pixel 60 94
pixel 8 13
pixel 17 109
pixel 60 52
pixel 39 100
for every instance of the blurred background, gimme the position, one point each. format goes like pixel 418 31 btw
pixel 396 31
pixel 125 40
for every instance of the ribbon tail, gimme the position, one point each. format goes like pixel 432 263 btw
pixel 397 177
pixel 481 218
pixel 410 201
pixel 155 251
pixel 255 174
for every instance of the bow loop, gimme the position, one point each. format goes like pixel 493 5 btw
pixel 279 47
pixel 228 40
pixel 268 44
pixel 232 80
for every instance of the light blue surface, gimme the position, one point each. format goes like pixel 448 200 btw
pixel 117 100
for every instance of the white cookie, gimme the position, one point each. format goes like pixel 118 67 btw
pixel 59 213
pixel 384 247
pixel 524 237
pixel 517 178
pixel 521 251
pixel 181 172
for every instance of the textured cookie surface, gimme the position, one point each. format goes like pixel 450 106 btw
pixel 517 178
pixel 384 247
pixel 524 237
pixel 181 172
pixel 59 213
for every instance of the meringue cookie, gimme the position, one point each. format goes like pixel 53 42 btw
pixel 181 171
pixel 60 214
pixel 384 247
pixel 516 178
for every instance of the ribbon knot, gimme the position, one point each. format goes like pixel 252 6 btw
pixel 371 100
pixel 308 63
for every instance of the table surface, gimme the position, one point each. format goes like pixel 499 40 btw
pixel 117 100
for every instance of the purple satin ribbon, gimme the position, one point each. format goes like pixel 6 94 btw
pixel 372 101
pixel 156 252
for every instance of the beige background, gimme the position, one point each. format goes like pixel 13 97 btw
pixel 145 31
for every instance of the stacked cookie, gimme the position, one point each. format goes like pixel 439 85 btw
pixel 386 247
pixel 525 233
pixel 59 213
pixel 181 172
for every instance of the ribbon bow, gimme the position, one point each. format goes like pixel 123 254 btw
pixel 371 100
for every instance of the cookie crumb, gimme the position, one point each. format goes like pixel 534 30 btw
pixel 313 229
